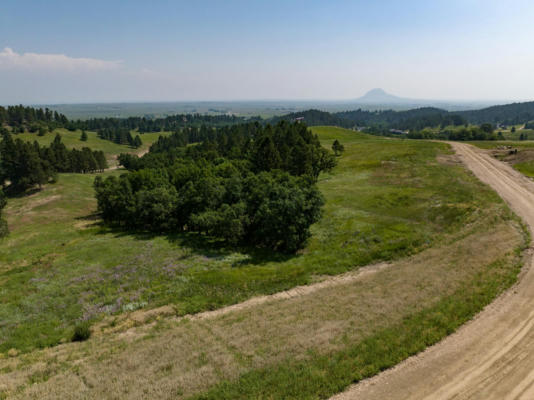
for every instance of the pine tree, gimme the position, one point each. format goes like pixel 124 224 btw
pixel 83 138
pixel 266 155
pixel 137 142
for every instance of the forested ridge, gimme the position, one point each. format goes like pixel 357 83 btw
pixel 121 130
pixel 418 118
pixel 507 114
pixel 247 184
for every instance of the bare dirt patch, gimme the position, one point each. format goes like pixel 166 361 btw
pixel 512 155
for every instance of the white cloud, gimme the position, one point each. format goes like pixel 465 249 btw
pixel 53 62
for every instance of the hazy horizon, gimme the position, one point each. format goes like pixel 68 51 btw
pixel 62 52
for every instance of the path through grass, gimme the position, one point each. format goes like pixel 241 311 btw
pixel 386 199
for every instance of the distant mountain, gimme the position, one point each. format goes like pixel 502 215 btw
pixel 380 96
pixel 379 99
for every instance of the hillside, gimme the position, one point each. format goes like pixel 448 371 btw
pixel 507 114
pixel 418 118
pixel 386 199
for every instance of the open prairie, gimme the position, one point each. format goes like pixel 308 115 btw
pixel 410 246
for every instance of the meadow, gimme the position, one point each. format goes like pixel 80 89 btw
pixel 455 243
pixel 59 266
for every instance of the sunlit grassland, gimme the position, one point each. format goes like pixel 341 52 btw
pixel 386 199
pixel 493 144
pixel 72 140
pixel 526 168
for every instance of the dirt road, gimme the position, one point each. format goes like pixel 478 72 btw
pixel 491 357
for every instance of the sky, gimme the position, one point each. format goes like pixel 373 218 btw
pixel 59 51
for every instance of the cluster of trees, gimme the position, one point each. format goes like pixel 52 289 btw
pixel 21 118
pixel 26 164
pixel 290 147
pixel 249 184
pixel 120 136
pixel 482 132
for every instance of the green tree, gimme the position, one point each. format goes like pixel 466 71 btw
pixel 266 157
pixel 83 137
pixel 338 148
pixel 137 142
pixel 487 128
pixel 281 209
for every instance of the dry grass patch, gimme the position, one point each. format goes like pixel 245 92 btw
pixel 176 357
pixel 448 159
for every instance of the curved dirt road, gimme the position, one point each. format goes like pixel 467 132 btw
pixel 491 357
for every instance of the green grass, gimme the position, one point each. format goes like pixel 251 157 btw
pixel 514 136
pixel 71 139
pixel 323 375
pixel 493 144
pixel 386 199
pixel 526 168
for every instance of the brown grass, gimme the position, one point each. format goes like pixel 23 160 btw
pixel 448 159
pixel 174 357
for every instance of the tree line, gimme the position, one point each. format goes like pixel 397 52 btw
pixel 168 124
pixel 482 132
pixel 21 118
pixel 24 164
pixel 246 184
pixel 120 136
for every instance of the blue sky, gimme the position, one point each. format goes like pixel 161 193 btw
pixel 84 51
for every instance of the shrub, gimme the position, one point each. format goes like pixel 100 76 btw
pixel 82 331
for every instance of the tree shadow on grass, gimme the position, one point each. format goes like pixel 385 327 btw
pixel 200 244
pixel 92 220
pixel 14 193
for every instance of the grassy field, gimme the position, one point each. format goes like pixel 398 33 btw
pixel 72 140
pixel 386 199
pixel 526 168
pixel 494 144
